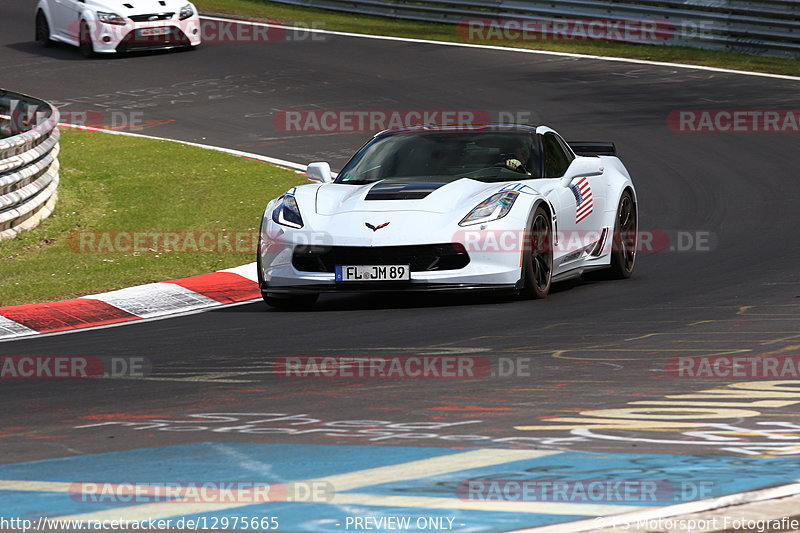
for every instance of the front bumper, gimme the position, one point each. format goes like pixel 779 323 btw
pixel 109 39
pixel 486 268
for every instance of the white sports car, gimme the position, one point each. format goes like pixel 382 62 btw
pixel 109 26
pixel 445 208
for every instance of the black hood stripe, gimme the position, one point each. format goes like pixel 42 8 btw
pixel 402 190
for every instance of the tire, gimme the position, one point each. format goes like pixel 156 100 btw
pixel 85 40
pixel 623 251
pixel 537 266
pixel 43 30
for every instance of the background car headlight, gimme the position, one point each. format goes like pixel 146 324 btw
pixel 288 213
pixel 110 18
pixel 186 12
pixel 493 208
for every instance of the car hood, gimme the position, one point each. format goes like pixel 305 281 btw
pixel 431 195
pixel 138 7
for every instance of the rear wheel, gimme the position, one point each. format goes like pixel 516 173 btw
pixel 42 30
pixel 623 253
pixel 85 40
pixel 537 266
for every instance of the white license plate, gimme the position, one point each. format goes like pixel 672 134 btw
pixel 147 32
pixel 373 273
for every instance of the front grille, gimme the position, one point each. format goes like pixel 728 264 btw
pixel 421 257
pixel 147 18
pixel 134 41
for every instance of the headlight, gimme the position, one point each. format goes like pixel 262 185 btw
pixel 287 213
pixel 110 18
pixel 186 12
pixel 493 208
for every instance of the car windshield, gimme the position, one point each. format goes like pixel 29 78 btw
pixel 444 157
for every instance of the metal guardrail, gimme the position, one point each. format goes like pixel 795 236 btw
pixel 765 27
pixel 28 162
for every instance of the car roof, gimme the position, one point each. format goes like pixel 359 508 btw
pixel 461 128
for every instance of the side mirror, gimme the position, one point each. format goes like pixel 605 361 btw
pixel 582 166
pixel 319 172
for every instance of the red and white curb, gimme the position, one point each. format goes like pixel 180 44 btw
pixel 152 300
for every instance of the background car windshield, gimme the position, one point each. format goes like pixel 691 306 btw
pixel 447 156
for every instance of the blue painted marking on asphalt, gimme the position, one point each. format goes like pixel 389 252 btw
pixel 700 477
pixel 327 518
pixel 220 461
pixel 677 478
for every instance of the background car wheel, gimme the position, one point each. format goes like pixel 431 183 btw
pixel 294 301
pixel 537 268
pixel 85 40
pixel 42 30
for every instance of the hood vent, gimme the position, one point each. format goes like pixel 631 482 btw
pixel 402 190
pixel 128 6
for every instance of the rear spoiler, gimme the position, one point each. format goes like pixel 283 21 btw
pixel 593 148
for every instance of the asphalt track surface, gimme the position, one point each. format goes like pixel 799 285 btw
pixel 591 345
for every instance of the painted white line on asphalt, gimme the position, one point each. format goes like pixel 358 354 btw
pixel 238 153
pixel 507 49
pixel 502 506
pixel 433 466
pixel 623 520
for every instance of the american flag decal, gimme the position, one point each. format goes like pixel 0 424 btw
pixel 583 199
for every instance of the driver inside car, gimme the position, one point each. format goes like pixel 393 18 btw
pixel 517 158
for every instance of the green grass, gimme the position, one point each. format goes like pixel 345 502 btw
pixel 333 20
pixel 113 183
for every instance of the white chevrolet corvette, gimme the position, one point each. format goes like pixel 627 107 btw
pixel 448 208
pixel 109 26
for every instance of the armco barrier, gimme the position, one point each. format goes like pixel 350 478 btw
pixel 28 161
pixel 759 27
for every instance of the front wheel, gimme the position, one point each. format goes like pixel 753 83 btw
pixel 85 40
pixel 537 266
pixel 42 30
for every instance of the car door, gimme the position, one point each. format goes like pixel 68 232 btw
pixel 578 205
pixel 66 17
